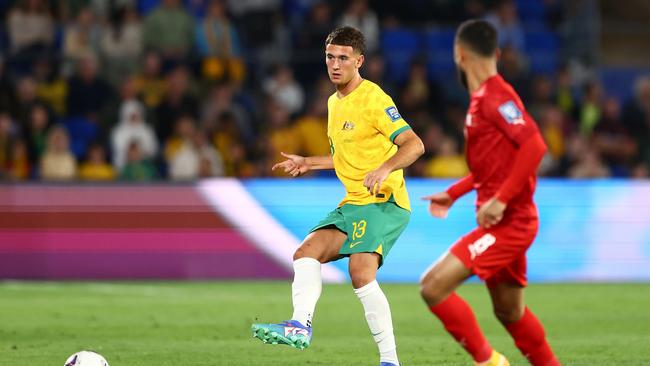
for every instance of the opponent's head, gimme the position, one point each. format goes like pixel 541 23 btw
pixel 344 54
pixel 476 40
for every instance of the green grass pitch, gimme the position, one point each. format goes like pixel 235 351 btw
pixel 208 323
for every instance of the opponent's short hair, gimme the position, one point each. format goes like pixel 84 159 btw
pixel 479 35
pixel 347 36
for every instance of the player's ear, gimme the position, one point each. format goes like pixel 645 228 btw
pixel 497 54
pixel 360 60
pixel 459 53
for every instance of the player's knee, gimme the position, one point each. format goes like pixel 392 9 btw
pixel 299 253
pixel 431 289
pixel 361 277
pixel 508 315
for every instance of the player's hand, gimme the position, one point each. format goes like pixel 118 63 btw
pixel 439 204
pixel 374 179
pixel 295 164
pixel 490 213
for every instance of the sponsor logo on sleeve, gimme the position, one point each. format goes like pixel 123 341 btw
pixel 511 113
pixel 392 113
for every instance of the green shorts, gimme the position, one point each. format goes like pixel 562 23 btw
pixel 371 228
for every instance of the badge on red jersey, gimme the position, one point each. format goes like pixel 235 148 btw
pixel 511 113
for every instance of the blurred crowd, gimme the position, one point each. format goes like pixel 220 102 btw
pixel 179 90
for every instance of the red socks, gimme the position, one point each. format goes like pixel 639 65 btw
pixel 530 338
pixel 459 320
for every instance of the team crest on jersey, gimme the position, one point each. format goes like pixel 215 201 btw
pixel 347 126
pixel 511 113
pixel 392 113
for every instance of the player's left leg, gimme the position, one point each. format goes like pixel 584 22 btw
pixel 363 272
pixel 526 330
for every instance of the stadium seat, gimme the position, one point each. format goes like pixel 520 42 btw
pixel 440 51
pixel 542 49
pixel 399 47
pixel 82 132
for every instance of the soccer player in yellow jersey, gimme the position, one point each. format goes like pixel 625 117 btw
pixel 370 145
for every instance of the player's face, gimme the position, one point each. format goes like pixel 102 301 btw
pixel 459 60
pixel 342 63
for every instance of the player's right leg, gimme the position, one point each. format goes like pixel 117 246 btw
pixel 437 289
pixel 527 331
pixel 320 246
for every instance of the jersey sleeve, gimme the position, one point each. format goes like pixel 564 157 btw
pixel 386 117
pixel 508 113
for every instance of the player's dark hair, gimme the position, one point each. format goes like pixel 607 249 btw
pixel 479 35
pixel 347 36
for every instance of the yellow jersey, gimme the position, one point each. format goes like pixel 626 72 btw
pixel 361 128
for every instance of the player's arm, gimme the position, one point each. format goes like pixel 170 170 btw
pixel 522 130
pixel 296 165
pixel 410 148
pixel 440 203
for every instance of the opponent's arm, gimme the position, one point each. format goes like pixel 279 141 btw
pixel 529 155
pixel 297 165
pixel 410 148
pixel 440 203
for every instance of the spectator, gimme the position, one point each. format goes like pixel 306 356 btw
pixel 447 163
pixel 582 160
pixel 96 168
pixel 88 93
pixel 228 140
pixel 636 117
pixel 7 96
pixel 617 148
pixel 137 168
pixel 169 29
pixel 18 167
pixel 222 99
pixel 196 158
pixel 374 69
pixel 184 130
pixel 7 135
pixel 150 83
pixel 280 137
pixel 419 91
pixel 36 132
pixel 121 44
pixel 551 125
pixel 51 87
pixel 81 37
pixel 311 130
pixel 541 96
pixel 58 163
pixel 513 69
pixel 590 110
pixel 504 18
pixel 218 42
pixel 132 127
pixel 310 38
pixel 360 16
pixel 285 90
pixel 178 101
pixel 30 26
pixel 589 165
pixel 563 91
pixel 27 96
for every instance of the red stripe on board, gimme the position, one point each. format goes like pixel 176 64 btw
pixel 102 220
pixel 215 241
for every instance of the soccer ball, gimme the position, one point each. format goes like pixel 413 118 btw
pixel 86 358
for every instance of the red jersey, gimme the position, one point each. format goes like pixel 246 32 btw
pixel 495 126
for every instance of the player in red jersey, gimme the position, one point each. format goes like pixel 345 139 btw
pixel 503 150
